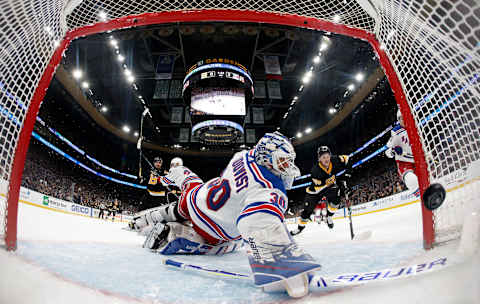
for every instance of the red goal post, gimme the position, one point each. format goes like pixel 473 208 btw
pixel 429 52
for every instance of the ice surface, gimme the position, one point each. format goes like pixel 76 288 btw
pixel 63 258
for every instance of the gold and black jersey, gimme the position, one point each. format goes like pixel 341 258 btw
pixel 323 177
pixel 154 185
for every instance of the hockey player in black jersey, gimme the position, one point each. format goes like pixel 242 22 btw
pixel 324 185
pixel 156 190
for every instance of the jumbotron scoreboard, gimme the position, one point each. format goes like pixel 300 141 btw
pixel 218 92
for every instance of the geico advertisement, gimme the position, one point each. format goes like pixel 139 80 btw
pixel 80 209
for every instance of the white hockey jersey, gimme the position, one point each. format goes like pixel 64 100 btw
pixel 399 142
pixel 243 189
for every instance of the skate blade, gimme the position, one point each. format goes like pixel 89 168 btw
pixel 297 286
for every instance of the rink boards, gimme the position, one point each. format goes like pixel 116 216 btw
pixel 48 202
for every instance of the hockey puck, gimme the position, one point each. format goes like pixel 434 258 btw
pixel 434 196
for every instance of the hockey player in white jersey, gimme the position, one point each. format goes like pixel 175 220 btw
pixel 399 148
pixel 175 162
pixel 247 202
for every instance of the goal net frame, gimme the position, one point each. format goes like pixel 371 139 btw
pixel 13 170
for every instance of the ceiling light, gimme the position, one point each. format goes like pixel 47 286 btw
pixel 130 78
pixel 77 74
pixel 104 109
pixel 308 130
pixel 203 148
pixel 323 46
pixel 299 135
pixel 114 43
pixel 120 58
pixel 126 129
pixel 332 110
pixel 336 18
pixel 128 72
pixel 316 59
pixel 306 79
pixel 301 88
pixel 359 77
pixel 135 134
pixel 85 85
pixel 351 87
pixel 295 98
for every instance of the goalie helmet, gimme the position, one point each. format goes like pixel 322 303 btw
pixel 175 162
pixel 275 152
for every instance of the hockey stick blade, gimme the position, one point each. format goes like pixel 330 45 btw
pixel 319 283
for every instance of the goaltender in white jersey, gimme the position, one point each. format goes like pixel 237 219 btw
pixel 246 203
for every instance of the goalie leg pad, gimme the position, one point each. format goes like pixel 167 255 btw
pixel 175 238
pixel 155 215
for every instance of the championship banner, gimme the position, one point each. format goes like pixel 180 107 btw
pixel 176 115
pixel 164 68
pixel 274 91
pixel 187 119
pixel 257 116
pixel 247 116
pixel 250 136
pixel 241 139
pixel 161 89
pixel 272 67
pixel 175 89
pixel 184 135
pixel 260 91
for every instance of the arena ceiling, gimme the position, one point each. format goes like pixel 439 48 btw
pixel 96 107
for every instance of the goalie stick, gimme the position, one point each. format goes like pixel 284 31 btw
pixel 319 283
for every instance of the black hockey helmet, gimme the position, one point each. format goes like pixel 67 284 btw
pixel 158 159
pixel 322 150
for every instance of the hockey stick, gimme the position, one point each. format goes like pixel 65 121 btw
pixel 318 282
pixel 347 201
pixel 139 143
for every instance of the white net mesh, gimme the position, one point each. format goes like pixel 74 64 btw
pixel 28 32
pixel 433 46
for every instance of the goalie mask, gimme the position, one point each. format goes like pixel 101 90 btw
pixel 275 152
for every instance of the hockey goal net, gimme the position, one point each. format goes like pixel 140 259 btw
pixel 429 51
